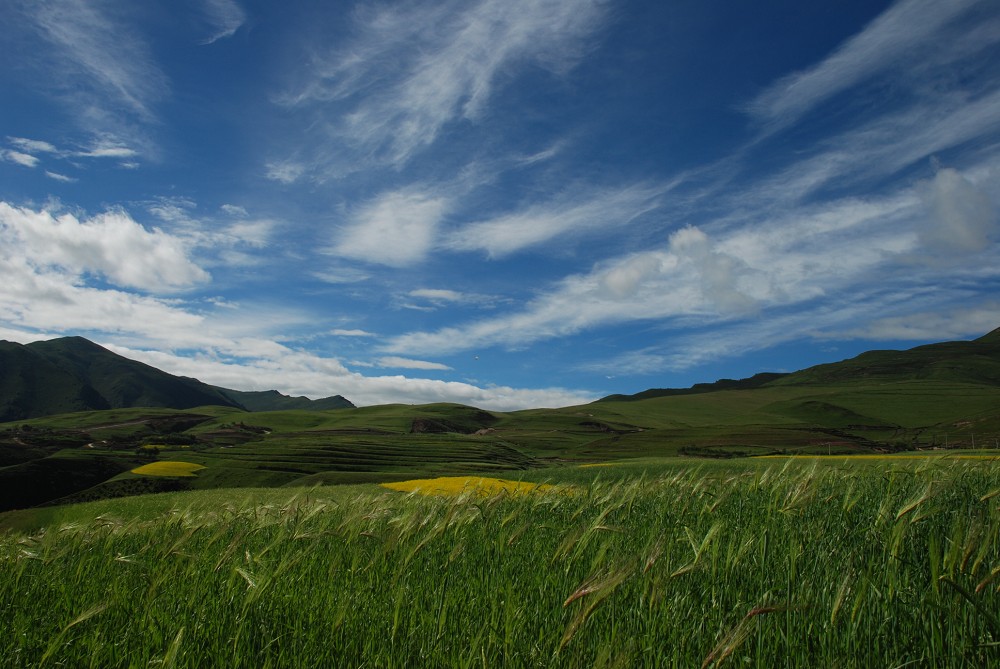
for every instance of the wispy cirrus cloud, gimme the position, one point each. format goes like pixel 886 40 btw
pixel 23 159
pixel 411 69
pixel 773 262
pixel 349 332
pixel 107 149
pixel 32 145
pixel 225 241
pixel 905 29
pixel 56 176
pixel 98 64
pixel 437 298
pixel 225 17
pixel 409 363
pixel 578 211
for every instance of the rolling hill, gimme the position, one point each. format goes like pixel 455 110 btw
pixel 940 396
pixel 74 374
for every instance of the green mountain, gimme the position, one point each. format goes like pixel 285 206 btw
pixel 755 381
pixel 976 361
pixel 272 400
pixel 74 374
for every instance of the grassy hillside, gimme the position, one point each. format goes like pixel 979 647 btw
pixel 878 402
pixel 73 374
pixel 391 442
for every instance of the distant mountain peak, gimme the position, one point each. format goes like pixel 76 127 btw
pixel 75 374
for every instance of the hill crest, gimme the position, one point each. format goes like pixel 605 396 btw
pixel 75 374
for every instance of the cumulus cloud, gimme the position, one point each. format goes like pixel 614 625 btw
pixel 299 373
pixel 43 298
pixel 110 245
pixel 719 274
pixel 396 229
pixel 961 218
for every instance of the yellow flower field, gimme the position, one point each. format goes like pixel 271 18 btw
pixel 168 468
pixel 446 486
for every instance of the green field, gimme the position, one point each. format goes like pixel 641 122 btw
pixel 91 455
pixel 798 562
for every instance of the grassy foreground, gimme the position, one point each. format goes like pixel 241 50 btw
pixel 790 563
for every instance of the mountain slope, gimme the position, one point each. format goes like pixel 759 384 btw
pixel 74 374
pixel 976 361
pixel 122 382
pixel 31 385
pixel 272 400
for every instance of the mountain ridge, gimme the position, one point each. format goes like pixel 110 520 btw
pixel 977 361
pixel 71 374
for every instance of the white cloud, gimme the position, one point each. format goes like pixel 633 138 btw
pixel 938 325
pixel 235 210
pixel 32 145
pixel 341 275
pixel 720 274
pixel 961 218
pixel 111 245
pixel 226 242
pixel 408 363
pixel 225 17
pixel 23 159
pixel 396 229
pixel 285 172
pixel 256 233
pixel 107 150
pixel 174 210
pixel 338 332
pixel 428 299
pixel 60 177
pixel 100 62
pixel 906 28
pixel 773 260
pixel 421 67
pixel 578 211
pixel 47 299
pixel 298 373
pixel 438 294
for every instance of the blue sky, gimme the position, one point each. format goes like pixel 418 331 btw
pixel 505 203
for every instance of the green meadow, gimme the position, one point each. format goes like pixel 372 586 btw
pixel 843 516
pixel 769 562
